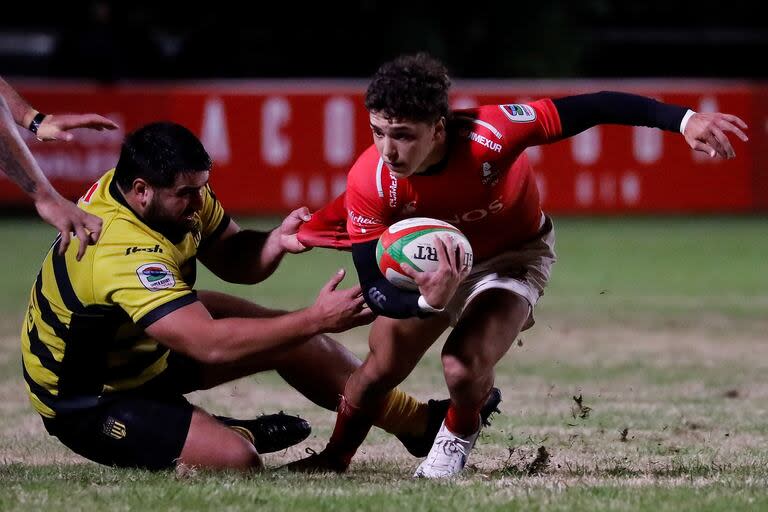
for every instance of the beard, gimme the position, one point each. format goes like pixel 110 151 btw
pixel 173 228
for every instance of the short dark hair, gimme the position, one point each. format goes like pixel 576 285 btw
pixel 157 153
pixel 411 87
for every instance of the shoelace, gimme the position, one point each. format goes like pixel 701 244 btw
pixel 454 445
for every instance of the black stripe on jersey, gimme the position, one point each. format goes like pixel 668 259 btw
pixel 46 313
pixel 83 369
pixel 166 309
pixel 39 391
pixel 137 365
pixel 223 224
pixel 42 352
pixel 62 280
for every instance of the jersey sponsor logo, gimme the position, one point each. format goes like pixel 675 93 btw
pixel 489 176
pixel 519 113
pixel 483 141
pixel 376 296
pixel 392 192
pixel 114 428
pixel 155 276
pixel 477 214
pixel 360 220
pixel 134 249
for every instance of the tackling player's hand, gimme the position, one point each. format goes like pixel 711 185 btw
pixel 339 310
pixel 438 287
pixel 56 127
pixel 290 227
pixel 67 218
pixel 706 132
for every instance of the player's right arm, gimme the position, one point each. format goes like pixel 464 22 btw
pixel 17 163
pixel 435 288
pixel 192 331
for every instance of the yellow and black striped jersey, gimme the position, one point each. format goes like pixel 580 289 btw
pixel 83 334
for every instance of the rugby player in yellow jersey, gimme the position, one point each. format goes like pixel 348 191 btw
pixel 111 343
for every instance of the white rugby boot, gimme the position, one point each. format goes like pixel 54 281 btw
pixel 448 455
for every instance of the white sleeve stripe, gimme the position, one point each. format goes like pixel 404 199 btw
pixel 378 177
pixel 685 120
pixel 492 128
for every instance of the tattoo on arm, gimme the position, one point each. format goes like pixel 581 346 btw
pixel 11 162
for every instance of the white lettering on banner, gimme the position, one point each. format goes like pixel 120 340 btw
pixel 707 104
pixel 73 165
pixel 292 193
pixel 316 194
pixel 339 131
pixel 338 184
pixel 647 144
pixel 585 189
pixel 586 146
pixel 275 147
pixel 215 135
pixel 630 188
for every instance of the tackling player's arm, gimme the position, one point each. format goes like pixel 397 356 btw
pixel 248 256
pixel 192 331
pixel 704 132
pixel 435 288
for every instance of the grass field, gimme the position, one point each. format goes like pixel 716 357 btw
pixel 660 325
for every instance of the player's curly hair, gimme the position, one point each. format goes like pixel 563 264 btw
pixel 411 87
pixel 157 153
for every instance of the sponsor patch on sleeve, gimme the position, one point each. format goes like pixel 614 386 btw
pixel 155 276
pixel 519 113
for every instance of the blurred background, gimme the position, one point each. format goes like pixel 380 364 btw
pixel 275 91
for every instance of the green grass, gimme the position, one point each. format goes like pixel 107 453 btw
pixel 658 323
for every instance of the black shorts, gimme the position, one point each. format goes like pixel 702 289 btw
pixel 143 428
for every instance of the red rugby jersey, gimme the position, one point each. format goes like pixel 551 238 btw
pixel 485 187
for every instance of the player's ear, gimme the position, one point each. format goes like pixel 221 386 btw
pixel 142 190
pixel 440 129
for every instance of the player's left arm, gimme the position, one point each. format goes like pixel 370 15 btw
pixel 249 256
pixel 49 126
pixel 706 132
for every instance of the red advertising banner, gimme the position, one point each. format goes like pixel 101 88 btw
pixel 277 146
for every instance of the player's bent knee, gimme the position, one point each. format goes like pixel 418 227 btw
pixel 461 371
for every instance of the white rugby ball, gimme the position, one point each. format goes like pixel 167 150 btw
pixel 413 241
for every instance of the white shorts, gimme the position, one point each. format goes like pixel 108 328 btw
pixel 524 271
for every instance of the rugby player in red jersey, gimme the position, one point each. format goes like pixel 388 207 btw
pixel 467 167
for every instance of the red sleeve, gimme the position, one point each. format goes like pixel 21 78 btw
pixel 368 184
pixel 501 130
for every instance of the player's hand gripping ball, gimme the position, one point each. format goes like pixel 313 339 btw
pixel 413 241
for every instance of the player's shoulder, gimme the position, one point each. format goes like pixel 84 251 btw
pixel 481 129
pixel 366 171
pixel 124 238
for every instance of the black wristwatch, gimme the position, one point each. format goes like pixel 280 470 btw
pixel 36 121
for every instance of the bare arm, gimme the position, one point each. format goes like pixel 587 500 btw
pixel 53 127
pixel 192 331
pixel 246 256
pixel 21 168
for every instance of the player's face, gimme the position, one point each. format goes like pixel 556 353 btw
pixel 407 147
pixel 172 209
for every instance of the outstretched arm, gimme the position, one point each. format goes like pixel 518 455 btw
pixel 17 163
pixel 50 127
pixel 704 132
pixel 247 256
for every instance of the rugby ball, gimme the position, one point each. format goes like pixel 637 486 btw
pixel 413 241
